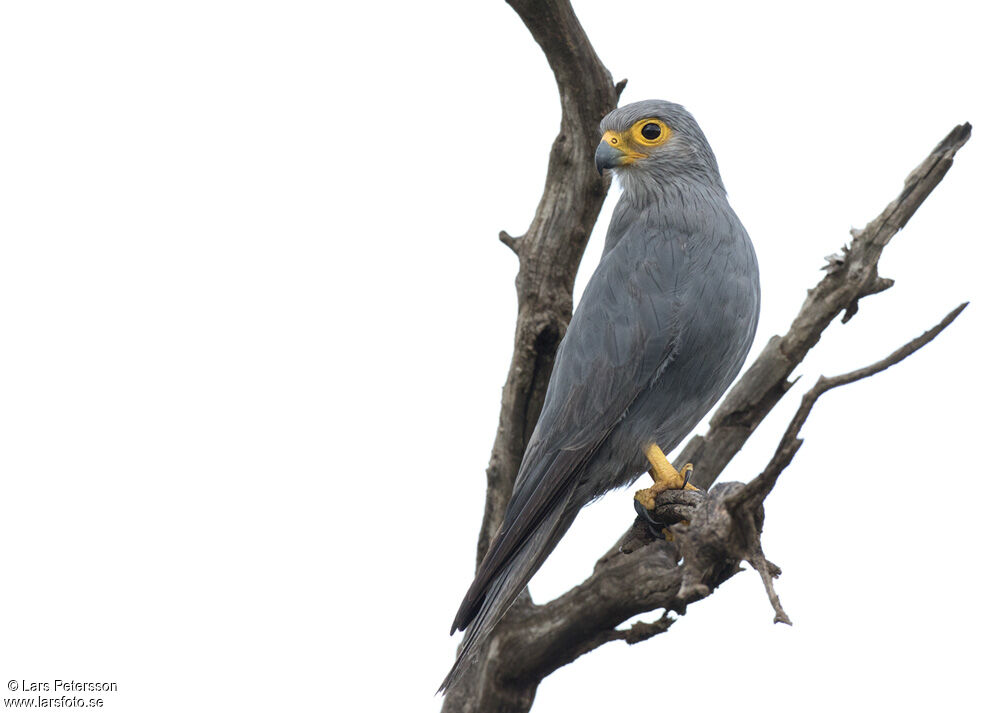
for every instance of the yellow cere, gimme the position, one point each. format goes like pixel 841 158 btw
pixel 643 134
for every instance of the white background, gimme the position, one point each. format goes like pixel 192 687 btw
pixel 254 321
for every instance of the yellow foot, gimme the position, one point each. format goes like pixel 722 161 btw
pixel 665 477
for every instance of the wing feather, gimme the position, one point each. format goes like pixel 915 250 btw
pixel 623 334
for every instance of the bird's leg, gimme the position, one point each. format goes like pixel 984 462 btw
pixel 665 477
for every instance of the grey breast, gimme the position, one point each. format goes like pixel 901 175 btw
pixel 695 268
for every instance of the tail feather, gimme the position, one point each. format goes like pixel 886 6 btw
pixel 506 586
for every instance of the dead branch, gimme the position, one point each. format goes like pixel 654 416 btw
pixel 760 487
pixel 549 255
pixel 724 530
pixel 750 499
pixel 849 278
pixel 641 573
pixel 549 252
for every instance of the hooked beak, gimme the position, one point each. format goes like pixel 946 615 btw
pixel 608 156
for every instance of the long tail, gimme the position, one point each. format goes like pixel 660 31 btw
pixel 505 586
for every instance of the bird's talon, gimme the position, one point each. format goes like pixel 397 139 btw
pixel 656 530
pixel 687 471
pixel 642 510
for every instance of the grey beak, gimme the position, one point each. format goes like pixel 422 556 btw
pixel 607 156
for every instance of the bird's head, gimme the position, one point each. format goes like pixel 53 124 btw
pixel 655 139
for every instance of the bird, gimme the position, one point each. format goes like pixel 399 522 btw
pixel 660 332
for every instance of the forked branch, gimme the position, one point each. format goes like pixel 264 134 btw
pixel 640 573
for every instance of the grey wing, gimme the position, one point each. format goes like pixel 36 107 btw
pixel 622 335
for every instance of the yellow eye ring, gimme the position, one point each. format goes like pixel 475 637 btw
pixel 649 132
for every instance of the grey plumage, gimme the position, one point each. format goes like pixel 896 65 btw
pixel 660 332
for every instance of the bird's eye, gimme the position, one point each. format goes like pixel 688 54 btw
pixel 649 132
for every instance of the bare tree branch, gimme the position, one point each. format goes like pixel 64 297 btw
pixel 761 486
pixel 751 497
pixel 549 252
pixel 724 529
pixel 713 532
pixel 549 255
pixel 638 575
pixel 851 277
pixel 751 399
